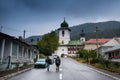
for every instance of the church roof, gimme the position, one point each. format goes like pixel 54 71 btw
pixel 75 42
pixel 64 25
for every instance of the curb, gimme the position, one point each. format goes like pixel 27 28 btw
pixel 101 72
pixel 14 74
pixel 113 77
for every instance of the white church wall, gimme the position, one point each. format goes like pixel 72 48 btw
pixel 65 38
pixel 62 50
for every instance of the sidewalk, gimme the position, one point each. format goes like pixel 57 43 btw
pixel 14 74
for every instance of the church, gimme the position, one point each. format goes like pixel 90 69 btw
pixel 66 45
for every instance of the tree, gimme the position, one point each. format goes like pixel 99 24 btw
pixel 49 43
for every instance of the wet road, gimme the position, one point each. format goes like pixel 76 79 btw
pixel 69 70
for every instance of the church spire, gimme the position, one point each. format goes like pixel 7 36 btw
pixel 82 38
pixel 64 19
pixel 64 24
pixel 82 33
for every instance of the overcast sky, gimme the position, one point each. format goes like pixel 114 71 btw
pixel 38 17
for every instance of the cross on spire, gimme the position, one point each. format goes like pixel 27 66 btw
pixel 64 19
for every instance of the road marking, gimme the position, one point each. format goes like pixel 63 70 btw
pixel 60 76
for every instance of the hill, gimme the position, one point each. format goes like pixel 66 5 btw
pixel 33 39
pixel 107 29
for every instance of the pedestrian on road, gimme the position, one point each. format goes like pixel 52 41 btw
pixel 57 63
pixel 48 62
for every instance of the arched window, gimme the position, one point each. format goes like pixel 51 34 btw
pixel 62 42
pixel 63 33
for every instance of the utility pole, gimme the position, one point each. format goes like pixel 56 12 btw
pixel 97 40
pixel 1 28
pixel 24 34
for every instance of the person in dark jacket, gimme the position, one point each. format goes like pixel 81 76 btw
pixel 48 62
pixel 57 63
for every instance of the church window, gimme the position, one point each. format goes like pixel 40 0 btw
pixel 62 42
pixel 63 33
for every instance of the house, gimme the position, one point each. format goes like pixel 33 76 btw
pixel 111 43
pixel 14 50
pixel 66 45
pixel 113 54
pixel 74 46
pixel 92 44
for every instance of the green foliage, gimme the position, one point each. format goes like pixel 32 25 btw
pixel 88 55
pixel 41 55
pixel 49 43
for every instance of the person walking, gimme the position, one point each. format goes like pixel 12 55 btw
pixel 57 63
pixel 48 60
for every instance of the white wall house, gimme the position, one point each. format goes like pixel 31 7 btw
pixel 113 54
pixel 13 50
pixel 111 43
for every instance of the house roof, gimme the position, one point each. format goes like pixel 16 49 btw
pixel 113 48
pixel 113 42
pixel 75 42
pixel 5 36
pixel 100 41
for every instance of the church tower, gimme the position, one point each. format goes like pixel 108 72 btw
pixel 82 36
pixel 64 38
pixel 64 33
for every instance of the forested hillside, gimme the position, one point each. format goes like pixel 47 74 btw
pixel 107 29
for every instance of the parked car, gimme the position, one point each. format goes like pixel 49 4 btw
pixel 40 63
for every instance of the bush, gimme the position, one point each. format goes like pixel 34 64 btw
pixel 97 65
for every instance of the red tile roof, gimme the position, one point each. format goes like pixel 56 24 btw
pixel 100 41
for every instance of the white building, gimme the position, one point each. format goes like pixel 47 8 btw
pixel 13 51
pixel 113 54
pixel 66 46
pixel 108 45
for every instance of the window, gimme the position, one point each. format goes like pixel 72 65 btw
pixel 62 42
pixel 63 33
pixel 14 49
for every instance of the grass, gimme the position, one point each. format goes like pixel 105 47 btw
pixel 111 67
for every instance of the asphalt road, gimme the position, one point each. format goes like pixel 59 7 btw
pixel 69 70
